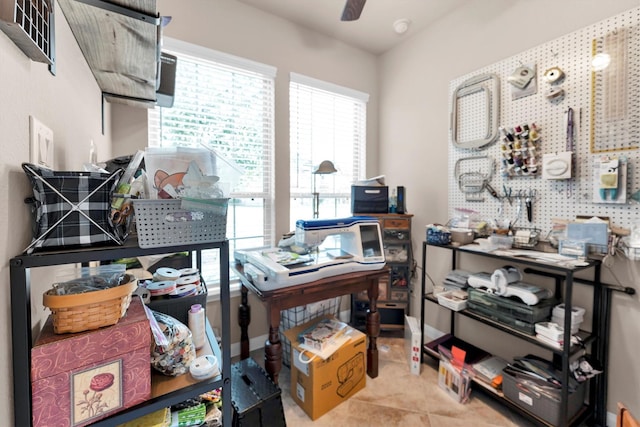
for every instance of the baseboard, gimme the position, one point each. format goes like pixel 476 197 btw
pixel 256 343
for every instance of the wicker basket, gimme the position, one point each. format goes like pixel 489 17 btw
pixel 90 310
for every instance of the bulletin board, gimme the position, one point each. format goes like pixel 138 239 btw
pixel 606 126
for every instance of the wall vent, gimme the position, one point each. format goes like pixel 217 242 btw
pixel 29 23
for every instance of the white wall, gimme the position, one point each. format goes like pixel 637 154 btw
pixel 70 104
pixel 414 120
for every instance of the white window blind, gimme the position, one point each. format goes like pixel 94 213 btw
pixel 226 103
pixel 327 122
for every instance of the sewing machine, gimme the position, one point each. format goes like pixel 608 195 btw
pixel 506 282
pixel 335 246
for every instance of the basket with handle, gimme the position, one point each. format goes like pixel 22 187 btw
pixel 90 310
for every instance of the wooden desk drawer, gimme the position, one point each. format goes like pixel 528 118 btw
pixel 390 235
pixel 397 295
pixel 397 223
pixel 383 286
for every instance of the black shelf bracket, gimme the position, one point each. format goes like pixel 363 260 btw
pixel 124 11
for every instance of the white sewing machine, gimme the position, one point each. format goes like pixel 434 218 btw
pixel 506 282
pixel 353 244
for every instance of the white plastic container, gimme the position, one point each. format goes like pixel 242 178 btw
pixel 452 300
pixel 577 313
pixel 501 242
pixel 577 316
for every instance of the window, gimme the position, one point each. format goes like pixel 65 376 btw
pixel 327 122
pixel 226 103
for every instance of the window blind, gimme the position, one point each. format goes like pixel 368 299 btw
pixel 225 103
pixel 327 122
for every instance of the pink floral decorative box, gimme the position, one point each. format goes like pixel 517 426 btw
pixel 77 379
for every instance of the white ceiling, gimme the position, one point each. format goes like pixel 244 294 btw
pixel 373 32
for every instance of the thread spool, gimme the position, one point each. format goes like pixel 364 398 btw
pixel 166 273
pixel 190 271
pixel 196 325
pixel 183 291
pixel 204 367
pixel 555 93
pixel 188 280
pixel 161 288
pixel 554 75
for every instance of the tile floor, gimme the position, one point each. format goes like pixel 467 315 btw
pixel 398 398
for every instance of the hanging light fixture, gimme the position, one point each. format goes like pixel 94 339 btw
pixel 326 167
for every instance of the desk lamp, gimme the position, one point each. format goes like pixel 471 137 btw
pixel 326 167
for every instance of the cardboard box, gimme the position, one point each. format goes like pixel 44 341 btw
pixel 295 316
pixel 321 385
pixel 412 344
pixel 77 379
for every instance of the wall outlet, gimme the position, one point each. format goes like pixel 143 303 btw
pixel 41 148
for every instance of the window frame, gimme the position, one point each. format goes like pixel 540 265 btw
pixel 184 49
pixel 335 187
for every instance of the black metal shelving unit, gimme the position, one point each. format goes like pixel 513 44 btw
pixel 20 275
pixel 595 410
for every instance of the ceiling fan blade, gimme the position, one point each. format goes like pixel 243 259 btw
pixel 352 10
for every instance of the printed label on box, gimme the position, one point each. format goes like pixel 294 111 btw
pixel 300 392
pixel 526 399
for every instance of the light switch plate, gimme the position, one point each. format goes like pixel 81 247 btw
pixel 41 148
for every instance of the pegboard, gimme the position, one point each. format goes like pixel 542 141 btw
pixel 606 112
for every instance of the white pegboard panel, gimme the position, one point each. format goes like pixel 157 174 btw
pixel 611 128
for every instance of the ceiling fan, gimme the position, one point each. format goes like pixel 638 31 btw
pixel 352 10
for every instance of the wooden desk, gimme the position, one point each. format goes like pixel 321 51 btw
pixel 293 296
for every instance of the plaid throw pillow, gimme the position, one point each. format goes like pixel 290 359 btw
pixel 71 208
